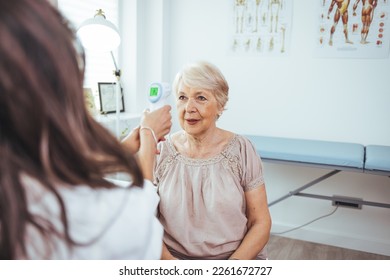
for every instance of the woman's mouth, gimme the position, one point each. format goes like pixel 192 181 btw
pixel 191 121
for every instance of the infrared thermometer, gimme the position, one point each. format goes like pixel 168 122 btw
pixel 158 95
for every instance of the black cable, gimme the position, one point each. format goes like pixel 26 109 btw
pixel 327 215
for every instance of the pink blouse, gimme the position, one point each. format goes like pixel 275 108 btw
pixel 202 201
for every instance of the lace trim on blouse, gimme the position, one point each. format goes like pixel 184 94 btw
pixel 255 184
pixel 201 161
pixel 228 160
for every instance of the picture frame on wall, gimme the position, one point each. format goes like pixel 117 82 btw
pixel 107 98
pixel 90 101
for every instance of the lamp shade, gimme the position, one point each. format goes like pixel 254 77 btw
pixel 99 34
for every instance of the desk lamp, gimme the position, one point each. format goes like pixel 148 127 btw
pixel 99 34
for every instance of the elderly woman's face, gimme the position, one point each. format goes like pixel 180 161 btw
pixel 197 109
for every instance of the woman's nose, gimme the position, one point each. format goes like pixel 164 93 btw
pixel 190 106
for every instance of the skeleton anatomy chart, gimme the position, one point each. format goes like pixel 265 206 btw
pixel 353 28
pixel 261 27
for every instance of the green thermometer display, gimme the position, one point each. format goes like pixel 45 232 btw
pixel 158 93
pixel 153 91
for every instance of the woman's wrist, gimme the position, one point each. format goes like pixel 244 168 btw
pixel 151 131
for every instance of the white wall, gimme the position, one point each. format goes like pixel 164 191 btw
pixel 296 96
pixel 144 48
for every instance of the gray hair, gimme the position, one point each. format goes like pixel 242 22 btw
pixel 203 75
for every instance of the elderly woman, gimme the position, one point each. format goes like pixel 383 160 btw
pixel 213 202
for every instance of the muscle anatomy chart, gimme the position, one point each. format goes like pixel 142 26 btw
pixel 353 28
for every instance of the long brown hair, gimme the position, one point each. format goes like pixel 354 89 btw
pixel 46 131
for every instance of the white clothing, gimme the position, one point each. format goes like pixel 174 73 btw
pixel 115 223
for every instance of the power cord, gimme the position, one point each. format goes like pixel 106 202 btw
pixel 308 223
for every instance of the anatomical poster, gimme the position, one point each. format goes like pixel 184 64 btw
pixel 353 29
pixel 261 27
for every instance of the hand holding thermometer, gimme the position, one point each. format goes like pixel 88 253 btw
pixel 158 95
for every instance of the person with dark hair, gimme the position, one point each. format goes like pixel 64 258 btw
pixel 213 202
pixel 55 199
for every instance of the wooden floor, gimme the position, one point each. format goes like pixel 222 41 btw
pixel 281 248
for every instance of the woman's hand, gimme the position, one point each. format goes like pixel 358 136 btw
pixel 160 121
pixel 154 126
pixel 166 255
pixel 132 141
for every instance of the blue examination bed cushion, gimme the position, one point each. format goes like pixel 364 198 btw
pixel 339 156
pixel 310 152
pixel 377 158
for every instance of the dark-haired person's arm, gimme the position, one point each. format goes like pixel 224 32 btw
pixel 143 139
pixel 132 140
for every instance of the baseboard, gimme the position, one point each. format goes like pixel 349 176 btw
pixel 381 247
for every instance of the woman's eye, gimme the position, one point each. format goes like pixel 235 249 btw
pixel 181 97
pixel 202 98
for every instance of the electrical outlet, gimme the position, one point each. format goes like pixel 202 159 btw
pixel 345 201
